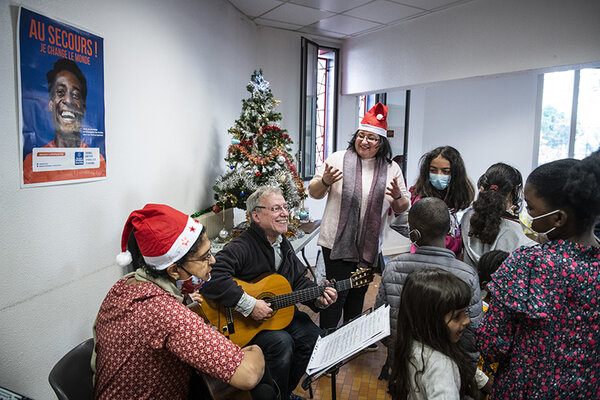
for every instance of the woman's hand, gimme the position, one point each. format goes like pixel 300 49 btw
pixel 400 203
pixel 330 175
pixel 318 188
pixel 394 189
pixel 196 296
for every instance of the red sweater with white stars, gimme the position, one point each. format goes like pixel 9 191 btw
pixel 147 343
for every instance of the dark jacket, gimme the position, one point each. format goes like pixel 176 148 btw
pixel 395 274
pixel 245 258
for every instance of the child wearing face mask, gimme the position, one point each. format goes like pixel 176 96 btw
pixel 542 322
pixel 442 174
pixel 428 363
pixel 492 223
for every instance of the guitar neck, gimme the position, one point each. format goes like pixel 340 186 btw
pixel 300 296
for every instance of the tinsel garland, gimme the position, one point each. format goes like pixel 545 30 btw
pixel 259 153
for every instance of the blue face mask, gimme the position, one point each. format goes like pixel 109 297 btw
pixel 439 181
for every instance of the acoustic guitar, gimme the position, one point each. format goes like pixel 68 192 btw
pixel 276 290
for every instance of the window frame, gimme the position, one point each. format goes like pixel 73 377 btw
pixel 573 117
pixel 307 151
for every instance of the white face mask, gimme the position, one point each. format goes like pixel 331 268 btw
pixel 527 222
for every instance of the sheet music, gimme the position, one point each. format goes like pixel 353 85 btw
pixel 349 339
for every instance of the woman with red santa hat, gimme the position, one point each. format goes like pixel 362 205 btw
pixel 147 343
pixel 360 183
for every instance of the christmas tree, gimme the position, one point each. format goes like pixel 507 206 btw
pixel 260 152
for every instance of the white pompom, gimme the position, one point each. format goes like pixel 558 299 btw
pixel 379 117
pixel 124 259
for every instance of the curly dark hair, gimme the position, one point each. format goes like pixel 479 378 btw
pixel 571 185
pixel 427 297
pixel 499 181
pixel 138 258
pixel 64 64
pixel 385 149
pixel 488 264
pixel 460 192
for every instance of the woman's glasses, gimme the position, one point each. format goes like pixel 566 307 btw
pixel 205 258
pixel 369 138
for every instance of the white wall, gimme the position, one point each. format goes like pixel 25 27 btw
pixel 487 120
pixel 175 75
pixel 479 38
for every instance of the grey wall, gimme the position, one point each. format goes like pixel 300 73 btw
pixel 479 38
pixel 175 75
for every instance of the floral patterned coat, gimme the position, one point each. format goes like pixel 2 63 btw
pixel 542 324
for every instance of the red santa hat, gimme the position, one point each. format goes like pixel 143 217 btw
pixel 375 120
pixel 163 234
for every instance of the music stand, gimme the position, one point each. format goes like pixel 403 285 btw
pixel 334 369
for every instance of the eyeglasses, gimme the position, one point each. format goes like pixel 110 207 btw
pixel 206 258
pixel 276 209
pixel 370 139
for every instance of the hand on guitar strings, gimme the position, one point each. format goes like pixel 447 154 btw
pixel 329 296
pixel 261 311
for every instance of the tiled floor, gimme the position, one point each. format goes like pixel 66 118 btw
pixel 358 378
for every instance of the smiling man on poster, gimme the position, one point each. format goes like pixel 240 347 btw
pixel 67 88
pixel 62 102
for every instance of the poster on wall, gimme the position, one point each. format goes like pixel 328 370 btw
pixel 61 95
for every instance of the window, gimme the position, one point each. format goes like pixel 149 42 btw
pixel 318 106
pixel 569 121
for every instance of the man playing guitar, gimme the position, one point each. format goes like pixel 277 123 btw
pixel 261 249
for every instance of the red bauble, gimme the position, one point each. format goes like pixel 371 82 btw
pixel 216 209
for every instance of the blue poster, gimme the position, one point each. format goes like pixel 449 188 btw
pixel 61 81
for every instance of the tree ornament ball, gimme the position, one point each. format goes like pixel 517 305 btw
pixel 281 159
pixel 224 234
pixel 282 178
pixel 235 141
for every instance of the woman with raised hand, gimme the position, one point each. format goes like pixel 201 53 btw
pixel 361 183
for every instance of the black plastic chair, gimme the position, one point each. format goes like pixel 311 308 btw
pixel 71 377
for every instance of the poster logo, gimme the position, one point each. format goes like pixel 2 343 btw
pixel 79 158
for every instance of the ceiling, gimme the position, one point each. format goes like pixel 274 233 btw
pixel 340 19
